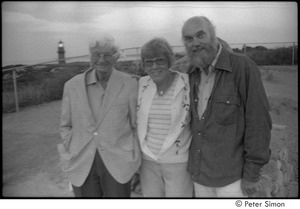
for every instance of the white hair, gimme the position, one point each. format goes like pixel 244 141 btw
pixel 103 41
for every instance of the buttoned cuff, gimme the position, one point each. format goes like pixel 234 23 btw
pixel 252 172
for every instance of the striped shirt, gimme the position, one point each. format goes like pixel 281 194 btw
pixel 160 119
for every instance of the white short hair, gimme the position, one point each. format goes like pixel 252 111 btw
pixel 104 41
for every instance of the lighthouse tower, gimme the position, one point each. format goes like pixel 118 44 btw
pixel 61 53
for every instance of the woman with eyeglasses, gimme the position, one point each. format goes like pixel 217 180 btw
pixel 163 118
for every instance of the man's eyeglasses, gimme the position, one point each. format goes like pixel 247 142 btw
pixel 158 61
pixel 104 55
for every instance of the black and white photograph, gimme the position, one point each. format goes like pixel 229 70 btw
pixel 147 100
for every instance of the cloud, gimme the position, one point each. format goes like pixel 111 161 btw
pixel 63 12
pixel 135 19
pixel 27 23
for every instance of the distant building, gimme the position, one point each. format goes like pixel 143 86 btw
pixel 61 53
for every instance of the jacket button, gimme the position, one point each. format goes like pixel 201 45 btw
pixel 95 133
pixel 202 118
pixel 199 134
pixel 227 102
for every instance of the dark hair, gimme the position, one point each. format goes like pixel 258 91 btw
pixel 156 47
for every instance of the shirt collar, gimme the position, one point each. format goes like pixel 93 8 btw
pixel 213 63
pixel 91 77
pixel 192 68
pixel 211 66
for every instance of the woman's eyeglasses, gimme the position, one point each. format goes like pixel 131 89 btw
pixel 158 61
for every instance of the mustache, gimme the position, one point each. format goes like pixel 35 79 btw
pixel 198 48
pixel 195 53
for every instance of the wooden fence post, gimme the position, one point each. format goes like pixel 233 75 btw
pixel 15 89
pixel 244 47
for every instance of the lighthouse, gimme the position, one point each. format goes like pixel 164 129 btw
pixel 61 53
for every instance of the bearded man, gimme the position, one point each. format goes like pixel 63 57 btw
pixel 231 124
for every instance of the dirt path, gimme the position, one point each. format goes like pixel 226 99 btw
pixel 30 159
pixel 31 162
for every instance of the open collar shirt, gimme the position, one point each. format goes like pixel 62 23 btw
pixel 95 92
pixel 206 84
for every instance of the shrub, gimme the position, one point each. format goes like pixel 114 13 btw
pixel 263 56
pixel 38 86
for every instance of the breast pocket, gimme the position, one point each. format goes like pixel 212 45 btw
pixel 227 109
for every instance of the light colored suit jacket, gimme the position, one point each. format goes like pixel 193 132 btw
pixel 113 134
pixel 176 145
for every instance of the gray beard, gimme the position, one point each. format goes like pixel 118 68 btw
pixel 200 59
pixel 204 57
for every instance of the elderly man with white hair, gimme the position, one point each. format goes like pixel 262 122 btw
pixel 100 151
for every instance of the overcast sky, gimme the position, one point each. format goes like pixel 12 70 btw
pixel 31 30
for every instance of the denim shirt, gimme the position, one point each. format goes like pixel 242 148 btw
pixel 231 140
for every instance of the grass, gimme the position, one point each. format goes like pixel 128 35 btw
pixel 267 75
pixel 32 94
pixel 37 86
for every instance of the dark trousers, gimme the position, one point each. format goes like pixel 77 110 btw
pixel 100 183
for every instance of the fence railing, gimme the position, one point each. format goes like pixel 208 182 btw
pixel 133 54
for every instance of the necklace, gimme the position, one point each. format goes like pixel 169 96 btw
pixel 169 83
pixel 160 93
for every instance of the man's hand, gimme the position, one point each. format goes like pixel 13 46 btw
pixel 249 188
